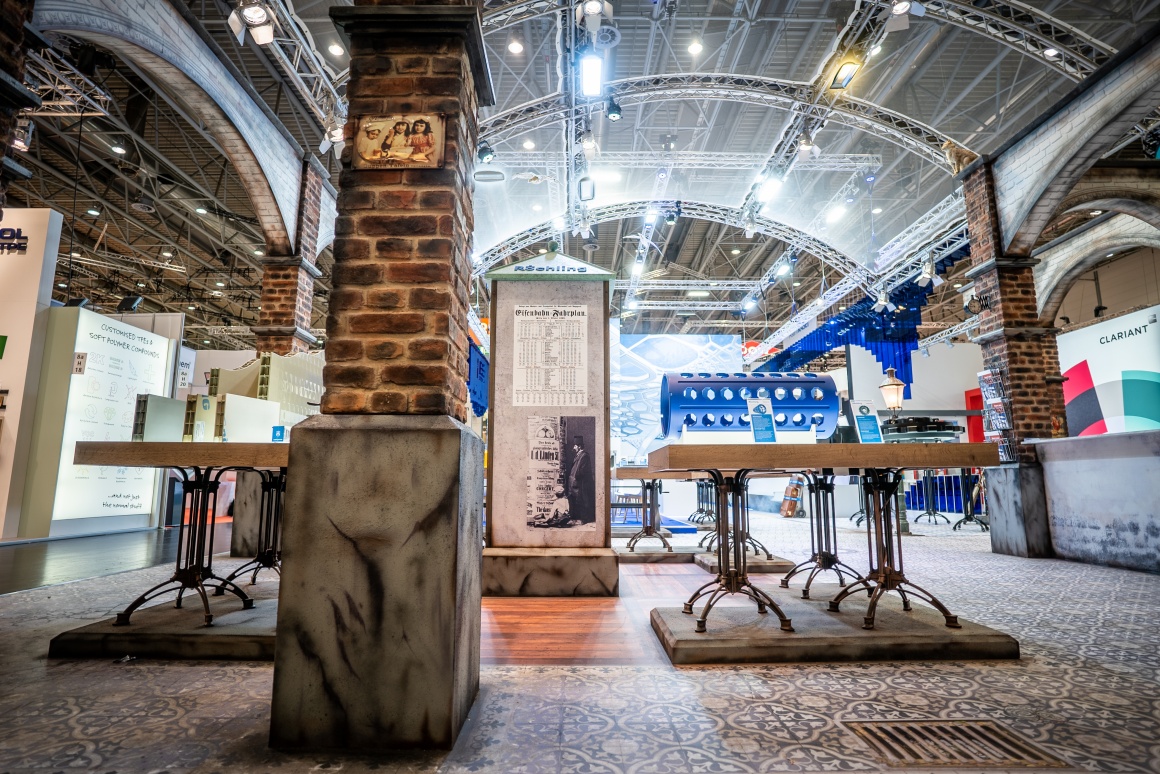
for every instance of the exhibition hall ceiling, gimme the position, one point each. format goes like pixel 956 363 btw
pixel 710 94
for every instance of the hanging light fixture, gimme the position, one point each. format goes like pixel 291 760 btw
pixel 22 134
pixel 614 113
pixel 929 276
pixel 515 45
pixel 844 75
pixel 892 389
pixel 255 16
pixel 591 73
pixel 485 152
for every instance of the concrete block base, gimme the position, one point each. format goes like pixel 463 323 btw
pixel 163 631
pixel 738 634
pixel 756 565
pixel 550 572
pixel 1017 510
pixel 379 606
pixel 651 551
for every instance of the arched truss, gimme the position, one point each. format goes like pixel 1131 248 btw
pixel 771 92
pixel 1011 23
pixel 699 210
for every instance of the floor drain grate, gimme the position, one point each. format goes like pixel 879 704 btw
pixel 974 743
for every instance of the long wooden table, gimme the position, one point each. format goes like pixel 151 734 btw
pixel 880 467
pixel 201 466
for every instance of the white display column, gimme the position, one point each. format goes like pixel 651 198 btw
pixel 29 241
pixel 548 526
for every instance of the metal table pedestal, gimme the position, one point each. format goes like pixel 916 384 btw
pixel 650 495
pixel 823 534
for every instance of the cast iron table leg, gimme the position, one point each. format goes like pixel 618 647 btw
pixel 650 492
pixel 269 554
pixel 969 503
pixel 732 576
pixel 823 534
pixel 931 496
pixel 884 542
pixel 194 567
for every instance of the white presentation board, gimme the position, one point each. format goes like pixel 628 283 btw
pixel 121 363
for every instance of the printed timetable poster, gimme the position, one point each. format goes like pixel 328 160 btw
pixel 551 356
pixel 122 362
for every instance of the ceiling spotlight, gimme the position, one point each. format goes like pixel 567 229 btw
pixel 637 268
pixel 529 144
pixel 191 307
pixel 849 200
pixel 93 211
pixel 119 149
pixel 662 173
pixel 698 293
pixel 22 134
pixel 748 304
pixel 559 224
pixel 876 50
pixel 671 217
pixel 835 213
pixel 929 276
pixel 259 253
pixel 797 284
pixel 588 142
pixel 650 215
pixel 783 270
pixel 876 211
pixel 1051 53
pixel 205 341
pixel 883 304
pixel 870 178
pixel 925 352
pixel 167 253
pixel 586 188
pixel 516 46
pixel 140 284
pixel 255 16
pixel 201 211
pixel 695 47
pixel 335 49
pixel 614 113
pixel 485 153
pixel 1110 254
pixel 950 344
pixel 74 255
pixel 62 284
pixel 900 7
pixel 750 226
pixel 844 75
pixel 537 207
pixel 1096 213
pixel 592 7
pixel 220 284
pixel 735 251
pixel 591 72
pixel 542 250
pixel 768 189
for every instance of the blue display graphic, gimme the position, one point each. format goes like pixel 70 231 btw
pixel 478 372
pixel 638 364
pixel 716 402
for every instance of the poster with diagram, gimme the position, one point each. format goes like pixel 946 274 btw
pixel 551 356
pixel 122 362
pixel 560 476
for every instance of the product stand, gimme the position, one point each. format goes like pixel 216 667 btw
pixel 823 534
pixel 969 503
pixel 650 495
pixel 269 553
pixel 732 576
pixel 884 541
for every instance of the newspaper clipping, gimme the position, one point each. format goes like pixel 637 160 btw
pixel 551 356
pixel 561 478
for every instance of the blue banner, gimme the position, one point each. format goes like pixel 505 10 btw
pixel 477 379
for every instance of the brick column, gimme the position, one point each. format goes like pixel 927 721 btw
pixel 397 337
pixel 1022 349
pixel 379 618
pixel 13 95
pixel 288 280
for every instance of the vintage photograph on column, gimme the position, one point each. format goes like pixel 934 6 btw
pixel 560 475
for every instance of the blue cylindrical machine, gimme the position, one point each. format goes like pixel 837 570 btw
pixel 703 402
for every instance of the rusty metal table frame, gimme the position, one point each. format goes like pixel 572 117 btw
pixel 930 495
pixel 969 516
pixel 705 510
pixel 709 541
pixel 193 570
pixel 269 552
pixel 879 480
pixel 823 534
pixel 650 492
pixel 732 571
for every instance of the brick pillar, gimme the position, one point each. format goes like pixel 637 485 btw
pixel 13 95
pixel 288 280
pixel 397 337
pixel 1022 349
pixel 379 619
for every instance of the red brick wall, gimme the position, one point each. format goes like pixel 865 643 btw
pixel 396 333
pixel 1028 359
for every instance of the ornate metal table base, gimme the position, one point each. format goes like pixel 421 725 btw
pixel 704 510
pixel 884 541
pixel 269 553
pixel 650 492
pixel 969 504
pixel 823 535
pixel 931 497
pixel 709 541
pixel 194 568
pixel 732 576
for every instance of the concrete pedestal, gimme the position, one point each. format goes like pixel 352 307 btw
pixel 247 514
pixel 379 609
pixel 550 572
pixel 1017 510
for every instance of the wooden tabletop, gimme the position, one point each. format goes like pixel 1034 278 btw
pixel 148 454
pixel 770 456
pixel 638 472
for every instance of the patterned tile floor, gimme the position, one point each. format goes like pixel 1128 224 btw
pixel 1087 689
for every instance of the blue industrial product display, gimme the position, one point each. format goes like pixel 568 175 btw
pixel 703 402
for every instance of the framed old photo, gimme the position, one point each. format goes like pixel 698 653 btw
pixel 413 141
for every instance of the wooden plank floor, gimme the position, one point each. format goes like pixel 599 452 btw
pixel 592 631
